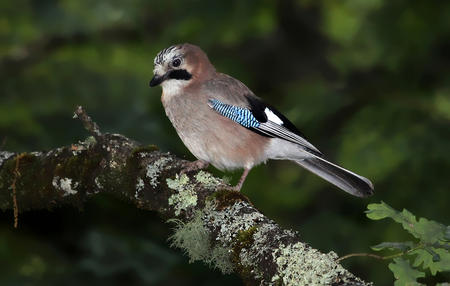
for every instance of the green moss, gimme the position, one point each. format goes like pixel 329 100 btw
pixel 35 187
pixel 30 171
pixel 226 198
pixel 144 149
pixel 7 173
pixel 245 237
pixel 79 166
pixel 244 240
pixel 26 161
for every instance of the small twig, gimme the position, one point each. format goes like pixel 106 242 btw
pixel 420 245
pixel 90 125
pixel 14 189
pixel 360 254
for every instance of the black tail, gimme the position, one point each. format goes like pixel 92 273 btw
pixel 346 180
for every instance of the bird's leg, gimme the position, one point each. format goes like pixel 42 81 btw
pixel 194 166
pixel 238 187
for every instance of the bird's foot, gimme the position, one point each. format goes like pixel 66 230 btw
pixel 194 166
pixel 238 187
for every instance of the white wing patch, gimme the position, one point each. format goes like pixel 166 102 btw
pixel 272 117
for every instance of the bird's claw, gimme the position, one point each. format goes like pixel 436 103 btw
pixel 236 188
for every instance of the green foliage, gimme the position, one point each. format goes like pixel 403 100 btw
pixel 436 259
pixel 404 273
pixel 403 246
pixel 426 230
pixel 431 251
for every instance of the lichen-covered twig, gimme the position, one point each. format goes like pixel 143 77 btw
pixel 90 125
pixel 217 226
pixel 362 254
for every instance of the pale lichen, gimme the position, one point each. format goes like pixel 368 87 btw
pixel 154 169
pixel 231 220
pixel 245 240
pixel 227 224
pixel 90 141
pixel 193 238
pixel 98 184
pixel 260 247
pixel 55 152
pixel 65 185
pixel 77 149
pixel 299 264
pixel 5 155
pixel 139 187
pixel 207 179
pixel 245 258
pixel 220 259
pixel 185 195
pixel 113 164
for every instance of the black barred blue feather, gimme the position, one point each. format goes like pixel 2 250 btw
pixel 240 115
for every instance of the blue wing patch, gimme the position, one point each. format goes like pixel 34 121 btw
pixel 240 115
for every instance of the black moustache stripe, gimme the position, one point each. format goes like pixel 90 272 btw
pixel 180 74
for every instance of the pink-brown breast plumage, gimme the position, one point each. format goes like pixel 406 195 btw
pixel 210 136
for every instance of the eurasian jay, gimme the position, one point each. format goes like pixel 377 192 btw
pixel 223 123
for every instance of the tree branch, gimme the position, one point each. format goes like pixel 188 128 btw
pixel 219 227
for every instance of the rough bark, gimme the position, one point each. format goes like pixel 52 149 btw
pixel 212 224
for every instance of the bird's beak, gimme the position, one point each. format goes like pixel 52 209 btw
pixel 157 80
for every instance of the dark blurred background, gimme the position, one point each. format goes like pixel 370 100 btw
pixel 368 82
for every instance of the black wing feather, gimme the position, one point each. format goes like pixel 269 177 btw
pixel 258 107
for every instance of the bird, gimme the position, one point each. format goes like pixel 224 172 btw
pixel 223 123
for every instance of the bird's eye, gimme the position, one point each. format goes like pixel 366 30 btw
pixel 176 63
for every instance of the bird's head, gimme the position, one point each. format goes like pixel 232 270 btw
pixel 179 65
